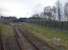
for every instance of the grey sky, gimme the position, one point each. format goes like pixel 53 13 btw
pixel 23 8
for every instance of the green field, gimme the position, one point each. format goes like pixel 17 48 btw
pixel 53 37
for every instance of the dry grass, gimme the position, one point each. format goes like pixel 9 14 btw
pixel 6 31
pixel 53 37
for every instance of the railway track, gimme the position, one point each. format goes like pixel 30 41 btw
pixel 8 43
pixel 22 41
pixel 27 42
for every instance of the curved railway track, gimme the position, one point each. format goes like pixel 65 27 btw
pixel 24 43
pixel 8 43
pixel 27 42
pixel 23 40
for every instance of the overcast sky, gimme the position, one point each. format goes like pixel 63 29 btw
pixel 23 8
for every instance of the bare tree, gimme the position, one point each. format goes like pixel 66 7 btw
pixel 66 10
pixel 59 10
pixel 48 12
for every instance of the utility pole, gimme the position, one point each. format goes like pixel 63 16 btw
pixel 59 10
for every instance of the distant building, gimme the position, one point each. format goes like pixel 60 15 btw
pixel 7 19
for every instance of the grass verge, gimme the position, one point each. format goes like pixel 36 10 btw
pixel 52 36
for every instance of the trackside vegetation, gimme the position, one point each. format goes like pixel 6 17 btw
pixel 52 36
